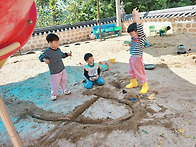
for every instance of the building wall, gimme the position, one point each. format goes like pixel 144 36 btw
pixel 67 36
pixel 183 24
pixel 179 24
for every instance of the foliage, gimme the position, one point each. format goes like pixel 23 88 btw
pixel 56 12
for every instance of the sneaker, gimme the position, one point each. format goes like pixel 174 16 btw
pixel 53 98
pixel 66 92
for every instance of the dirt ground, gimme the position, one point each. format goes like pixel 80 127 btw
pixel 105 116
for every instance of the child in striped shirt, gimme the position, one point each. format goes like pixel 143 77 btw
pixel 136 67
pixel 53 57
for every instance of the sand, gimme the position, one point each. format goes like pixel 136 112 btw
pixel 105 116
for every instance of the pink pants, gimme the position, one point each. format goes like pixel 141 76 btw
pixel 56 80
pixel 136 69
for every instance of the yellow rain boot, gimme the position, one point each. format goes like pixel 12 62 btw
pixel 145 88
pixel 133 83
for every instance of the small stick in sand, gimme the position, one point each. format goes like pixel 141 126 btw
pixel 71 54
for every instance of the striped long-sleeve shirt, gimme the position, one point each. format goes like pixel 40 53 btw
pixel 137 43
pixel 55 57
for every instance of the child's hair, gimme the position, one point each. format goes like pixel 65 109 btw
pixel 52 37
pixel 168 27
pixel 132 27
pixel 87 56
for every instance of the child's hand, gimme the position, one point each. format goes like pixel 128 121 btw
pixel 69 54
pixel 91 79
pixel 46 61
pixel 97 77
pixel 136 17
pixel 135 12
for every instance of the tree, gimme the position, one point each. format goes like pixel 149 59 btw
pixel 55 12
pixel 49 13
pixel 87 10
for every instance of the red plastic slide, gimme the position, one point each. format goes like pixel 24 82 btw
pixel 17 22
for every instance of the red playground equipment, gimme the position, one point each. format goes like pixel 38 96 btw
pixel 18 19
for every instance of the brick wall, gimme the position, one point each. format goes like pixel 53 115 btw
pixel 67 36
pixel 179 24
pixel 183 24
